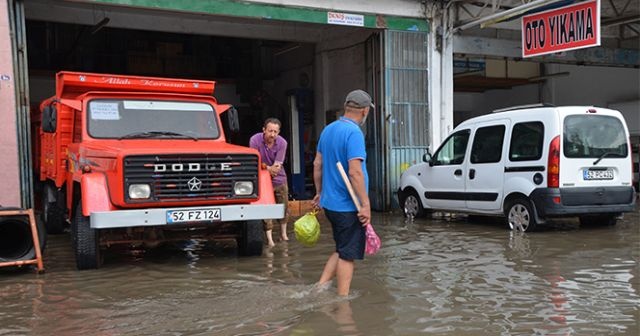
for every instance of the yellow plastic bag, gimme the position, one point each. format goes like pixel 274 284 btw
pixel 307 229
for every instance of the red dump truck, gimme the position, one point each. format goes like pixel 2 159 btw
pixel 140 160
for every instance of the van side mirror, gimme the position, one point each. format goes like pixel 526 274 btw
pixel 428 158
pixel 49 119
pixel 233 119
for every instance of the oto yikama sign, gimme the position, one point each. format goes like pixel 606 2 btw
pixel 567 28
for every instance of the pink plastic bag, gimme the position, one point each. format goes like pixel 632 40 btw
pixel 373 241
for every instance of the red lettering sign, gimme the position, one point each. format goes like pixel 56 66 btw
pixel 567 28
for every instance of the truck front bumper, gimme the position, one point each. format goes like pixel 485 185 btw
pixel 158 216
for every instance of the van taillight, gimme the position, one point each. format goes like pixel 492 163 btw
pixel 553 164
pixel 631 158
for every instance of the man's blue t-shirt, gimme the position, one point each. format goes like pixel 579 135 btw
pixel 342 140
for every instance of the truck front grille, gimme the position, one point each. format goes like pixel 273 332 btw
pixel 182 177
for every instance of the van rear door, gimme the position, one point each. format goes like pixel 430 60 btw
pixel 595 149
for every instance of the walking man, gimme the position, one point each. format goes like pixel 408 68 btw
pixel 343 141
pixel 273 148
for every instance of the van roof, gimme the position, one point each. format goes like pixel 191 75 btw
pixel 522 107
pixel 539 109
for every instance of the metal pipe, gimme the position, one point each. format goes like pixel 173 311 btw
pixel 21 239
pixel 620 21
pixel 508 13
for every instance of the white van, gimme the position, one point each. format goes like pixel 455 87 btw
pixel 528 164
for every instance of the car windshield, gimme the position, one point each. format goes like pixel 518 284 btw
pixel 132 119
pixel 593 136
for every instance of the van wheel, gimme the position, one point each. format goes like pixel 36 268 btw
pixel 411 204
pixel 520 216
pixel 52 214
pixel 599 220
pixel 251 238
pixel 85 241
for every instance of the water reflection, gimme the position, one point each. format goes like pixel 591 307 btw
pixel 445 277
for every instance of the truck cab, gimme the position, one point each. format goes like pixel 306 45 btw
pixel 142 160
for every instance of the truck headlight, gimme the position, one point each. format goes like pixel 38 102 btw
pixel 139 191
pixel 243 188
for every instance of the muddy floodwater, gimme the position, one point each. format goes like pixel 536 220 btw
pixel 432 276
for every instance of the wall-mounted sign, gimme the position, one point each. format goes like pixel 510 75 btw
pixel 345 19
pixel 572 27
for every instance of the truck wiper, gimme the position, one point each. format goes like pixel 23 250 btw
pixel 152 134
pixel 603 156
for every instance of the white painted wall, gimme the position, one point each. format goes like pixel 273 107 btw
pixel 631 112
pixel 9 166
pixel 469 105
pixel 339 68
pixel 589 85
pixel 585 85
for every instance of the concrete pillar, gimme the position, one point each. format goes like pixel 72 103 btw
pixel 441 67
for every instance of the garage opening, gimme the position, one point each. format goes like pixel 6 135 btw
pixel 261 77
pixel 253 75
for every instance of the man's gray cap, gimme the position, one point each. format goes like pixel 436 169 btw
pixel 359 98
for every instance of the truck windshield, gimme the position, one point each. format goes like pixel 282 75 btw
pixel 130 119
pixel 593 136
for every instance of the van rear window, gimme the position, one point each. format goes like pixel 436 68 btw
pixel 594 136
pixel 526 141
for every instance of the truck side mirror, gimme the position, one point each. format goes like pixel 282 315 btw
pixel 233 120
pixel 49 119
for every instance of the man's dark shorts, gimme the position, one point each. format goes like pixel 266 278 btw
pixel 348 233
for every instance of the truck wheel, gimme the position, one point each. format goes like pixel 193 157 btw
pixel 520 216
pixel 411 204
pixel 52 214
pixel 599 220
pixel 85 241
pixel 251 238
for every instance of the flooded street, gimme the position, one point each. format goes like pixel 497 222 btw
pixel 440 277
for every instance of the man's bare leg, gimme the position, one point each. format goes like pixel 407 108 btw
pixel 270 238
pixel 329 269
pixel 283 232
pixel 344 274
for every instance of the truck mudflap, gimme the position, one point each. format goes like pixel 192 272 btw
pixel 189 215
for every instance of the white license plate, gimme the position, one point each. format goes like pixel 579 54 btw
pixel 598 174
pixel 193 215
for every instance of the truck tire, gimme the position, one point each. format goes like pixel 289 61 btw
pixel 251 238
pixel 85 241
pixel 52 214
pixel 520 216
